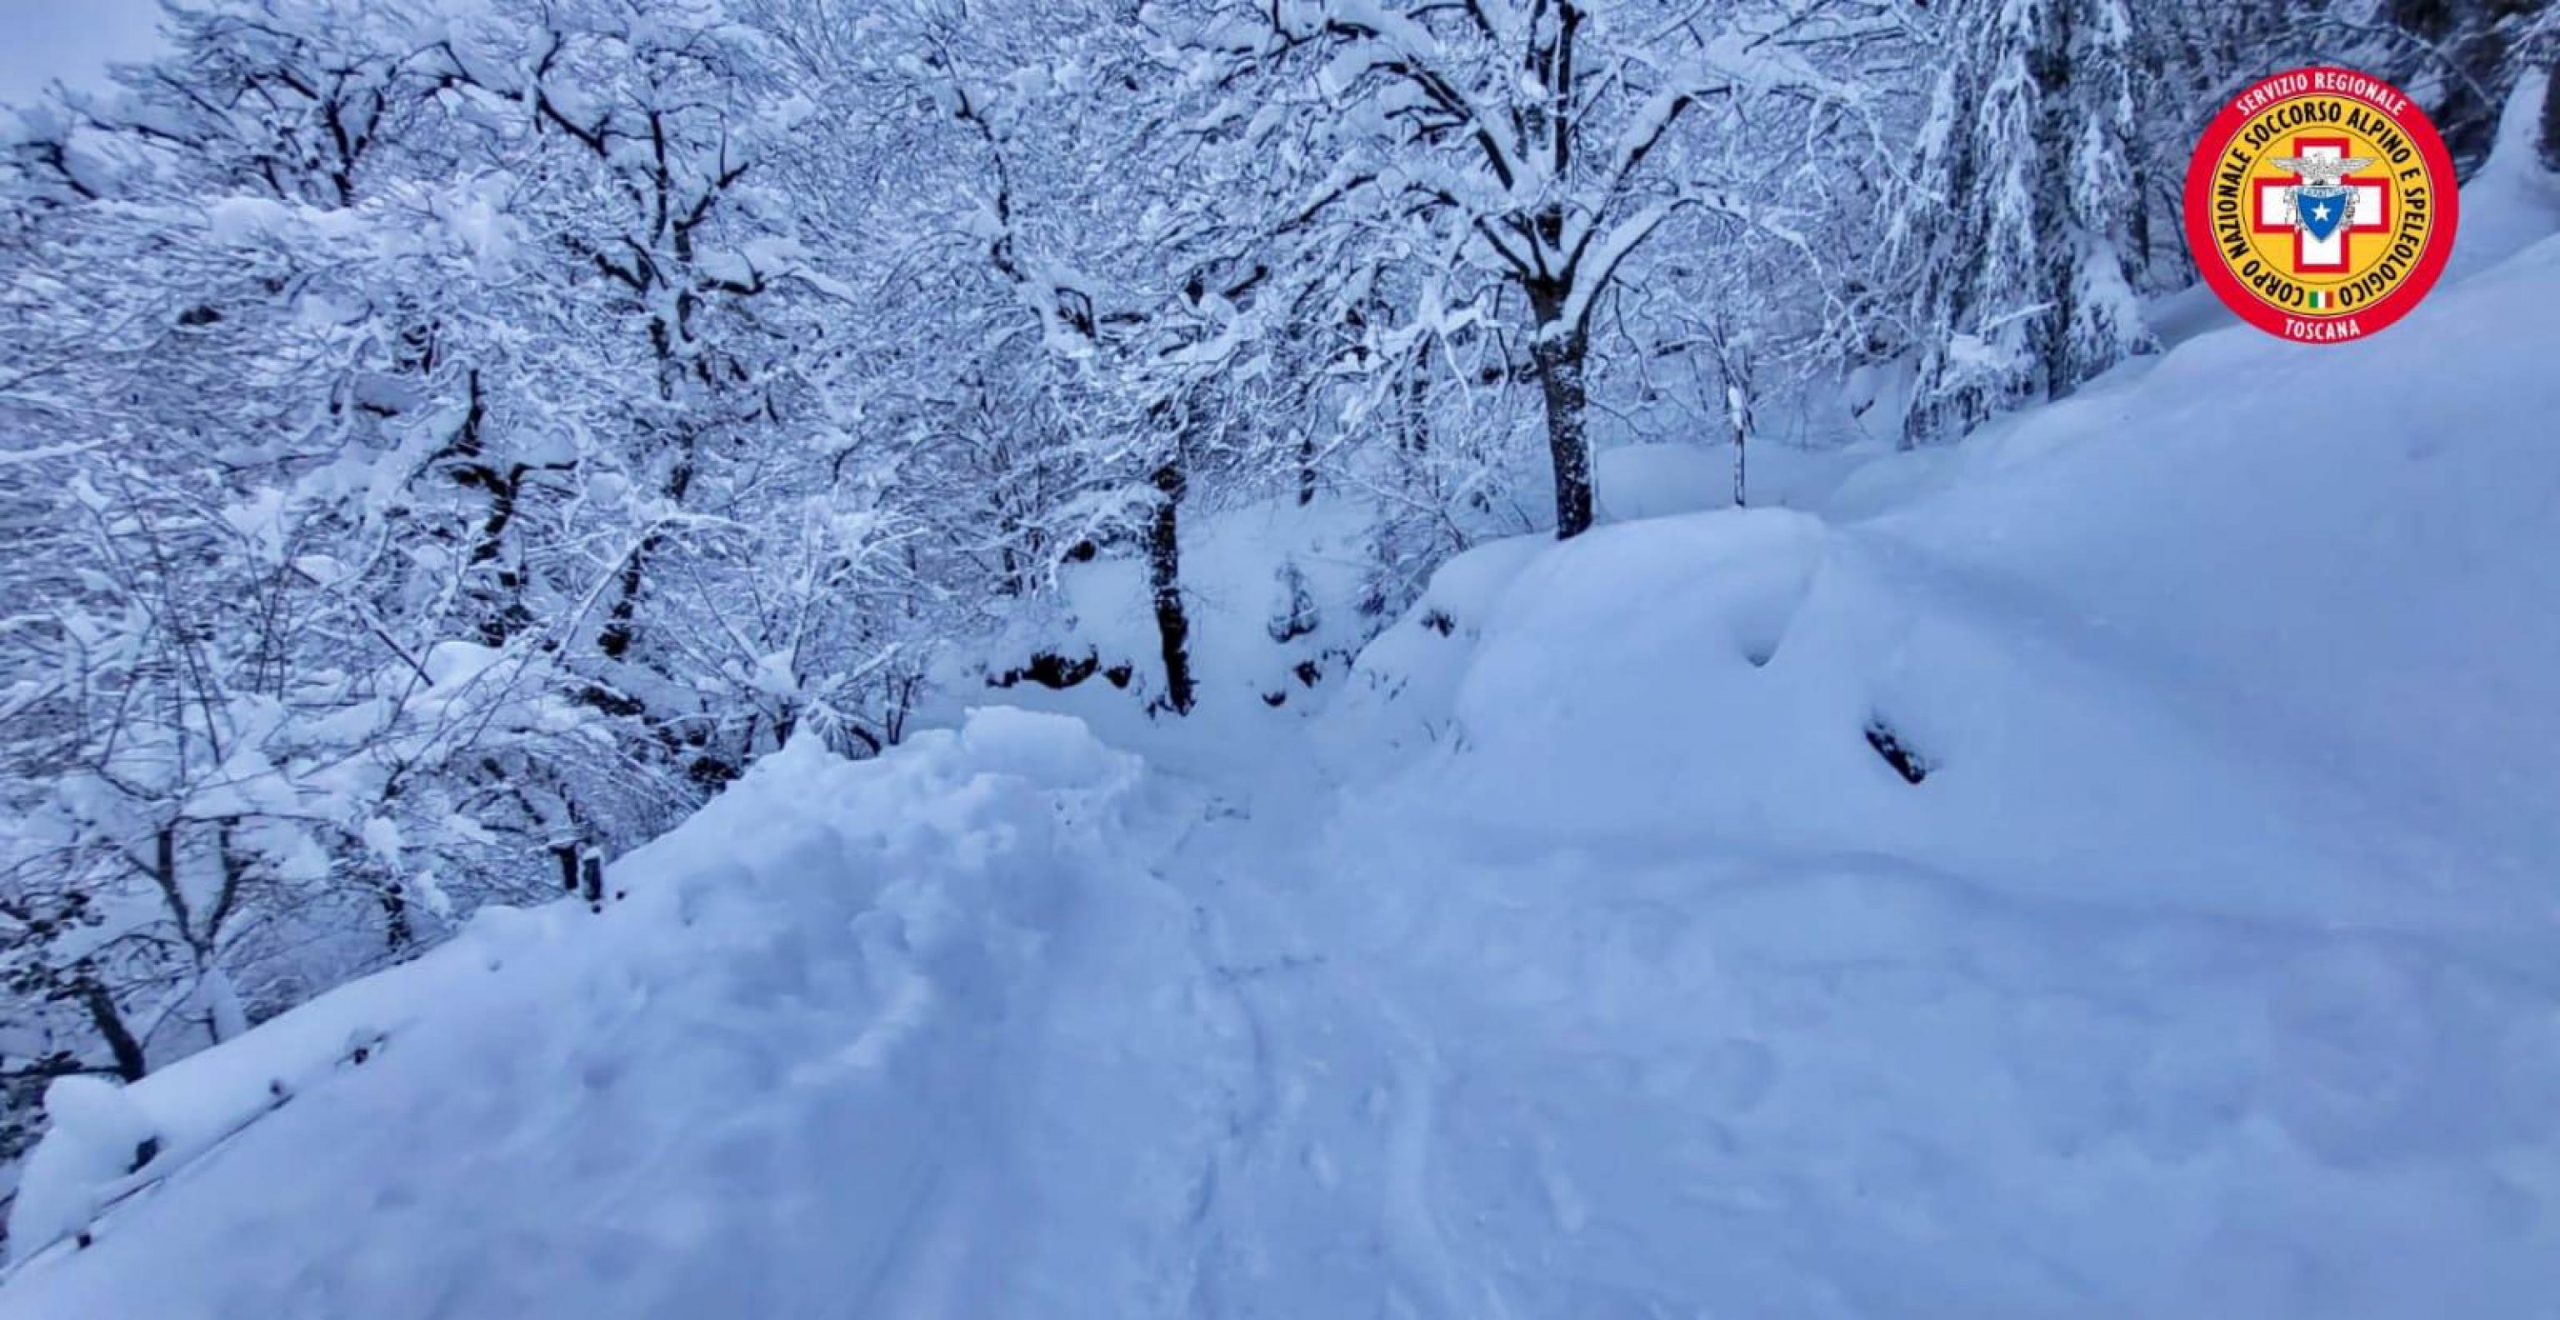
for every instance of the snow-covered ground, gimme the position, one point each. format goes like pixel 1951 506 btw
pixel 840 1051
pixel 1586 956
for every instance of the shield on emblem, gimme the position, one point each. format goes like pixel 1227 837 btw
pixel 2322 212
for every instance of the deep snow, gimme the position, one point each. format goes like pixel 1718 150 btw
pixel 1584 958
pixel 841 1051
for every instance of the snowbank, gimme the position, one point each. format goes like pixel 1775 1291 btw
pixel 819 1030
pixel 1402 686
pixel 2512 203
pixel 2288 599
pixel 2115 879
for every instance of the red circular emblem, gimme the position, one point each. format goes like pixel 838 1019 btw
pixel 2321 205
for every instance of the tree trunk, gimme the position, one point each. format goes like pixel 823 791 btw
pixel 1559 356
pixel 1741 471
pixel 397 932
pixel 130 1064
pixel 1417 405
pixel 1733 371
pixel 502 607
pixel 225 1017
pixel 620 626
pixel 2551 119
pixel 500 603
pixel 1164 574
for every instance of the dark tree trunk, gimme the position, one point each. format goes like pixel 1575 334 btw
pixel 2551 119
pixel 1417 409
pixel 1733 372
pixel 501 601
pixel 1560 355
pixel 1741 468
pixel 397 931
pixel 1164 575
pixel 500 604
pixel 622 626
pixel 130 1063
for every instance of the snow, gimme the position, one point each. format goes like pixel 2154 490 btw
pixel 809 1061
pixel 1658 480
pixel 2512 203
pixel 1582 955
pixel 1651 481
pixel 1237 572
pixel 95 1135
pixel 1402 687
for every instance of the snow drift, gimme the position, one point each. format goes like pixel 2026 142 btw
pixel 2206 967
pixel 816 1033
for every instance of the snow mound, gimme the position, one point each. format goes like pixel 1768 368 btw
pixel 800 1069
pixel 95 1136
pixel 2513 202
pixel 2300 631
pixel 1403 683
pixel 2116 880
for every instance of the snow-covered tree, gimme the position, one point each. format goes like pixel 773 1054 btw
pixel 1980 218
pixel 2100 321
pixel 1537 145
pixel 2024 219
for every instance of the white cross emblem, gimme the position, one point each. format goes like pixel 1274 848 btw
pixel 2370 195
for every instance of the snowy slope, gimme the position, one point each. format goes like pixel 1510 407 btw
pixel 1585 959
pixel 808 1067
pixel 2206 596
pixel 2208 972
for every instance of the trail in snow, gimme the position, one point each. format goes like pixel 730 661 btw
pixel 2209 974
pixel 994 1027
pixel 1637 1081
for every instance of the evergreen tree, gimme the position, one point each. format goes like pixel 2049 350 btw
pixel 2455 57
pixel 2101 322
pixel 1989 312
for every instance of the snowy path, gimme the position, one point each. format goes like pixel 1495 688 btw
pixel 996 1030
pixel 1575 1080
pixel 993 1028
pixel 2282 1039
pixel 1323 1199
pixel 1009 1024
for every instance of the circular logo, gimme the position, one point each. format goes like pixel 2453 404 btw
pixel 2321 205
